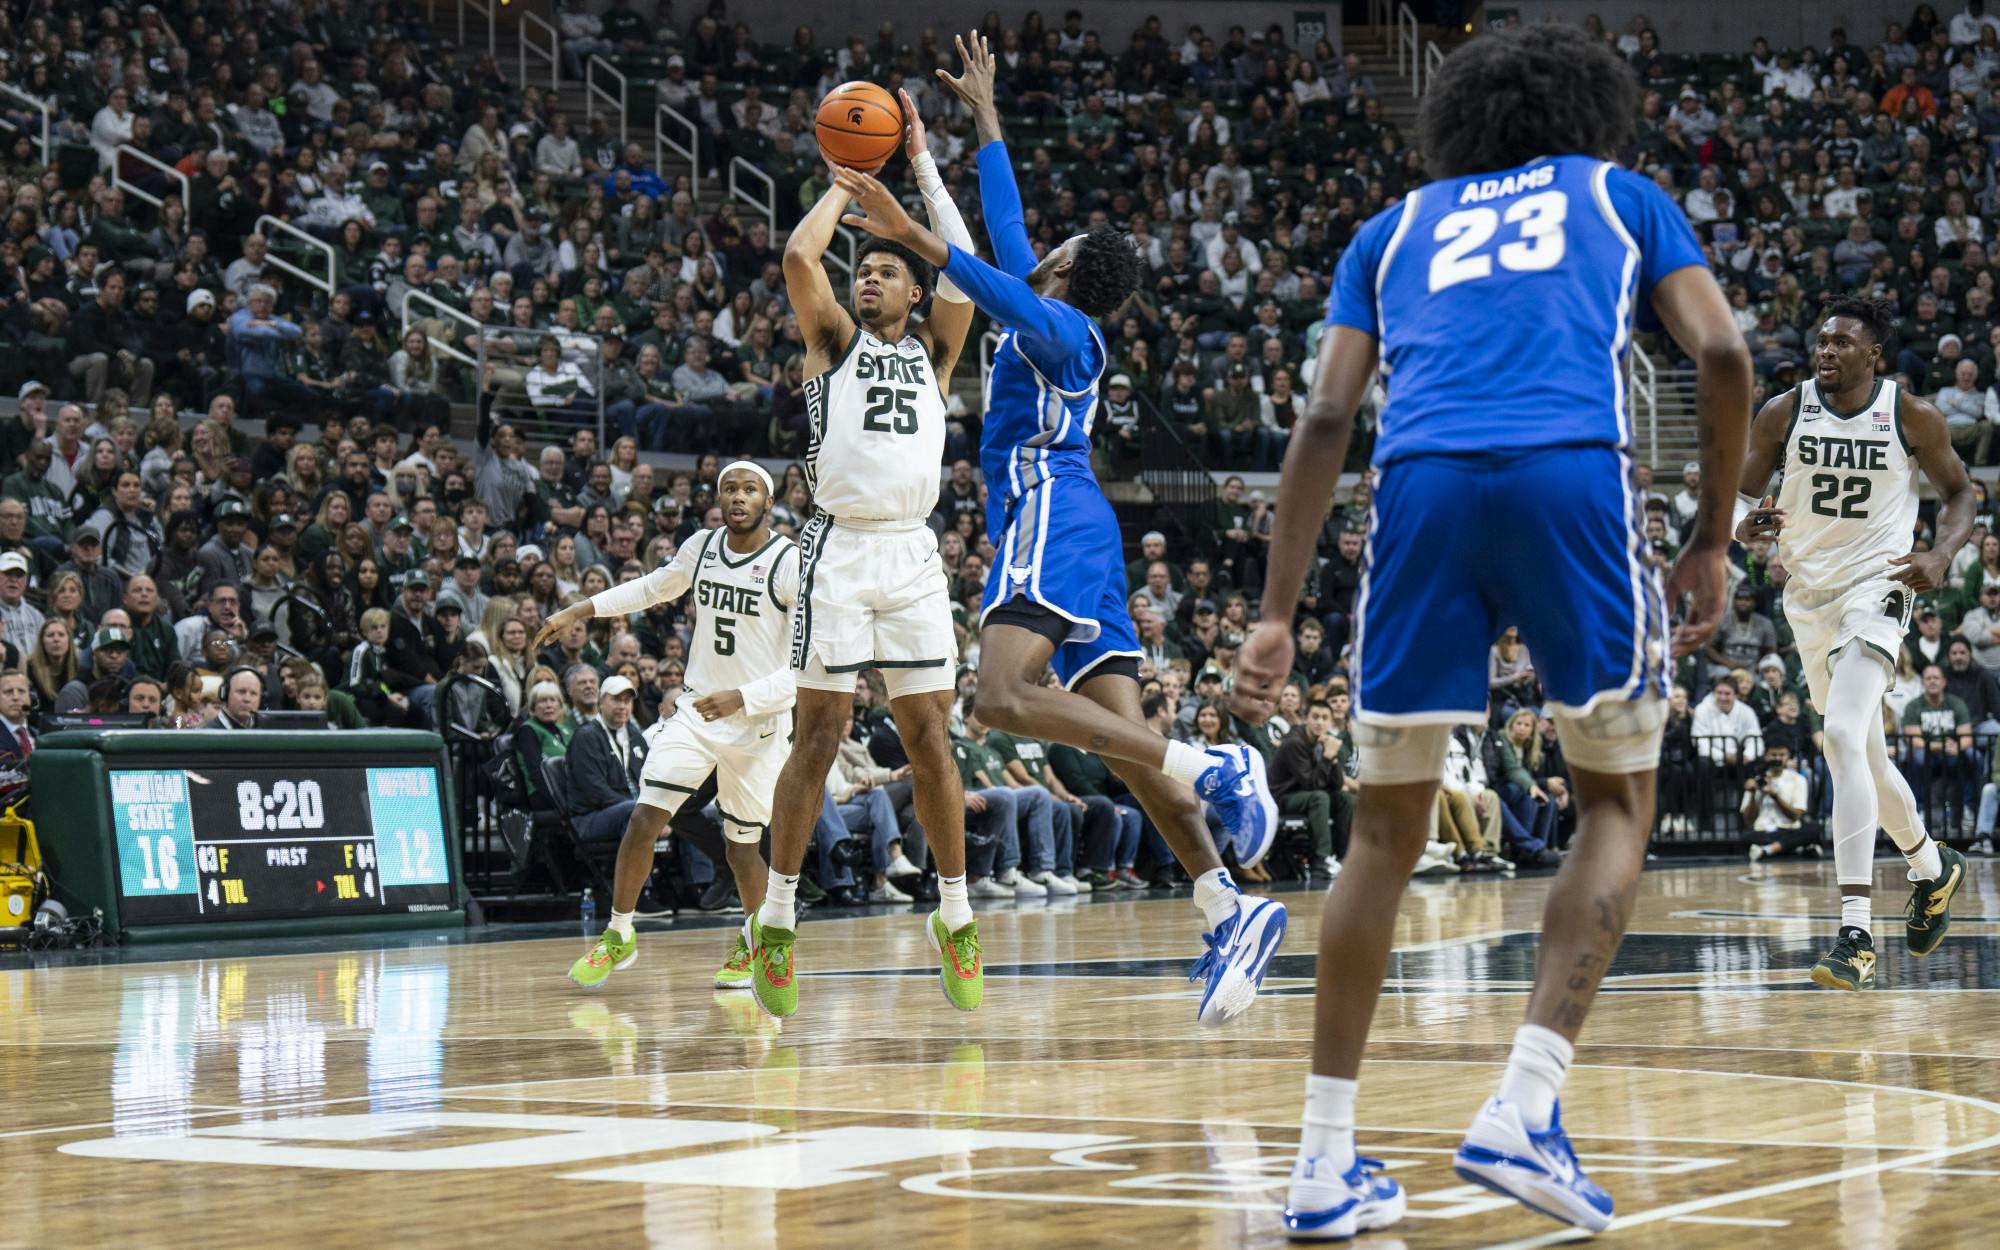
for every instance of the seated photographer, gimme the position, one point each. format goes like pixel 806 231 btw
pixel 1774 805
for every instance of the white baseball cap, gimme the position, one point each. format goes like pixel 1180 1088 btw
pixel 616 685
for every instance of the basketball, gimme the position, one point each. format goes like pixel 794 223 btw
pixel 859 125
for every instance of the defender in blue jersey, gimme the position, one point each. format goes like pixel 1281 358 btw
pixel 1055 598
pixel 1500 301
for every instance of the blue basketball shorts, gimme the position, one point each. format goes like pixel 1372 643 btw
pixel 1060 549
pixel 1461 547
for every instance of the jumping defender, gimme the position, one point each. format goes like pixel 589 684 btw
pixel 1057 594
pixel 729 717
pixel 1850 443
pixel 874 593
pixel 1502 298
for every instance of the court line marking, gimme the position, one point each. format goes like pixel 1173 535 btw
pixel 464 1092
pixel 1664 1213
pixel 1739 1221
pixel 340 1036
pixel 1459 1130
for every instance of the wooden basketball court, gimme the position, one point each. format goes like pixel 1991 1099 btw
pixel 425 1091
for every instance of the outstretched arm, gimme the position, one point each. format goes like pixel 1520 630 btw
pixel 951 312
pixel 1347 359
pixel 1051 333
pixel 823 323
pixel 1006 229
pixel 1697 314
pixel 663 585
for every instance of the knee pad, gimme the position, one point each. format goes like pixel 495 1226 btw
pixel 1401 755
pixel 1616 737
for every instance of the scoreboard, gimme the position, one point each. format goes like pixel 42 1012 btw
pixel 176 831
pixel 274 842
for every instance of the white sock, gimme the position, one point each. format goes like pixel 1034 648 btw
pixel 1216 894
pixel 1535 1071
pixel 748 939
pixel 1327 1128
pixel 953 906
pixel 1855 912
pixel 621 924
pixel 780 910
pixel 1185 763
pixel 1925 863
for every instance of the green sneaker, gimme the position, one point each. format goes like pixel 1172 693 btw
pixel 772 978
pixel 609 955
pixel 1850 965
pixel 960 969
pixel 735 971
pixel 1929 912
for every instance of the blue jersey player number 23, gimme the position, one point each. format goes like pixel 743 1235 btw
pixel 1504 304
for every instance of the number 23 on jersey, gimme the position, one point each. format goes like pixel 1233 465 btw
pixel 1535 239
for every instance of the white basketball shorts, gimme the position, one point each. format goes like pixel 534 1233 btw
pixel 872 598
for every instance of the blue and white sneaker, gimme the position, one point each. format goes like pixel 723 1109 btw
pixel 1538 1170
pixel 1236 785
pixel 1326 1208
pixel 1239 952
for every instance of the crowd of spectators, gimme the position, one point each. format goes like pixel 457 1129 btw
pixel 158 558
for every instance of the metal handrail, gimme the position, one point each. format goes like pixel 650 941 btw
pixel 1176 476
pixel 849 242
pixel 768 204
pixel 1643 387
pixel 40 105
pixel 491 12
pixel 450 313
pixel 592 93
pixel 689 151
pixel 553 52
pixel 1433 57
pixel 276 261
pixel 525 413
pixel 1409 54
pixel 118 179
pixel 988 344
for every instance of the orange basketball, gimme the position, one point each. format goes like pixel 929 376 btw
pixel 859 125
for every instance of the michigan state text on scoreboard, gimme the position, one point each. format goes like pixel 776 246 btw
pixel 178 833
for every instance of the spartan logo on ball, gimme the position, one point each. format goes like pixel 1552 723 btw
pixel 854 116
